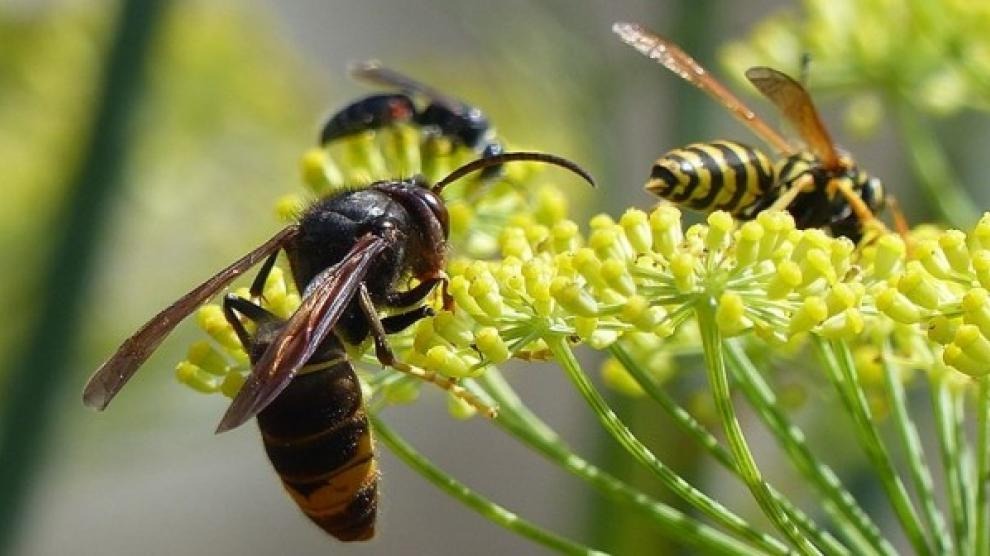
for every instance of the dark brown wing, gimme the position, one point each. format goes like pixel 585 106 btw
pixel 112 375
pixel 374 73
pixel 676 60
pixel 794 102
pixel 326 298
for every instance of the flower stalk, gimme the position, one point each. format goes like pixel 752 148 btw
pixel 490 510
pixel 944 402
pixel 981 544
pixel 837 360
pixel 718 381
pixel 853 521
pixel 921 475
pixel 829 544
pixel 614 426
pixel 516 419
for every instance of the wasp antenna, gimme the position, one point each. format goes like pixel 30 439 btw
pixel 488 161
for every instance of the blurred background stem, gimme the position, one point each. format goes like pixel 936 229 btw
pixel 490 510
pixel 933 170
pixel 36 373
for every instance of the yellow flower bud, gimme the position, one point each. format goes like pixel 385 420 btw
pixel 898 307
pixel 811 313
pixel 636 226
pixel 196 378
pixel 443 360
pixel 491 345
pixel 665 223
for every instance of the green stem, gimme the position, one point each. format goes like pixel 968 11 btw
pixel 490 510
pixel 842 372
pixel 933 169
pixel 37 373
pixel 718 380
pixel 690 426
pixel 982 475
pixel 521 423
pixel 613 425
pixel 943 403
pixel 853 521
pixel 911 441
pixel 967 465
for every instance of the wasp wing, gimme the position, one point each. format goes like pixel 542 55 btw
pixel 116 371
pixel 326 299
pixel 670 56
pixel 374 73
pixel 794 102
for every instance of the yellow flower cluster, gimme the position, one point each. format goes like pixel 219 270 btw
pixel 646 275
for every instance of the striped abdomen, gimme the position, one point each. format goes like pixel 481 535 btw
pixel 317 436
pixel 720 175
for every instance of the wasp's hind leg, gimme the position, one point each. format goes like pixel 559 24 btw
pixel 900 221
pixel 397 323
pixel 234 305
pixel 258 285
pixel 857 204
pixel 796 188
pixel 384 353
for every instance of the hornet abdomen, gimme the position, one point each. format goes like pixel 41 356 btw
pixel 318 438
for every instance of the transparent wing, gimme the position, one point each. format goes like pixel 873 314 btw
pixel 676 60
pixel 373 72
pixel 794 102
pixel 116 371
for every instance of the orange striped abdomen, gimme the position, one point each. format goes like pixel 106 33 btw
pixel 318 438
pixel 719 175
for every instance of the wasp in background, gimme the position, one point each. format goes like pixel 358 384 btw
pixel 350 253
pixel 820 185
pixel 443 115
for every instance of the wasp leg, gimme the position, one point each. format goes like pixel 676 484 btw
pixel 900 221
pixel 258 285
pixel 797 186
pixel 232 304
pixel 385 355
pixel 402 321
pixel 856 203
pixel 415 294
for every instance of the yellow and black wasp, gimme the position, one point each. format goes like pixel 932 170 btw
pixel 819 185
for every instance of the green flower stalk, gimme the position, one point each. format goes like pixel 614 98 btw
pixel 528 283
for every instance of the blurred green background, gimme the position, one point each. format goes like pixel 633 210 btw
pixel 231 95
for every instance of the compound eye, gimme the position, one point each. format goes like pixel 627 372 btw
pixel 439 209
